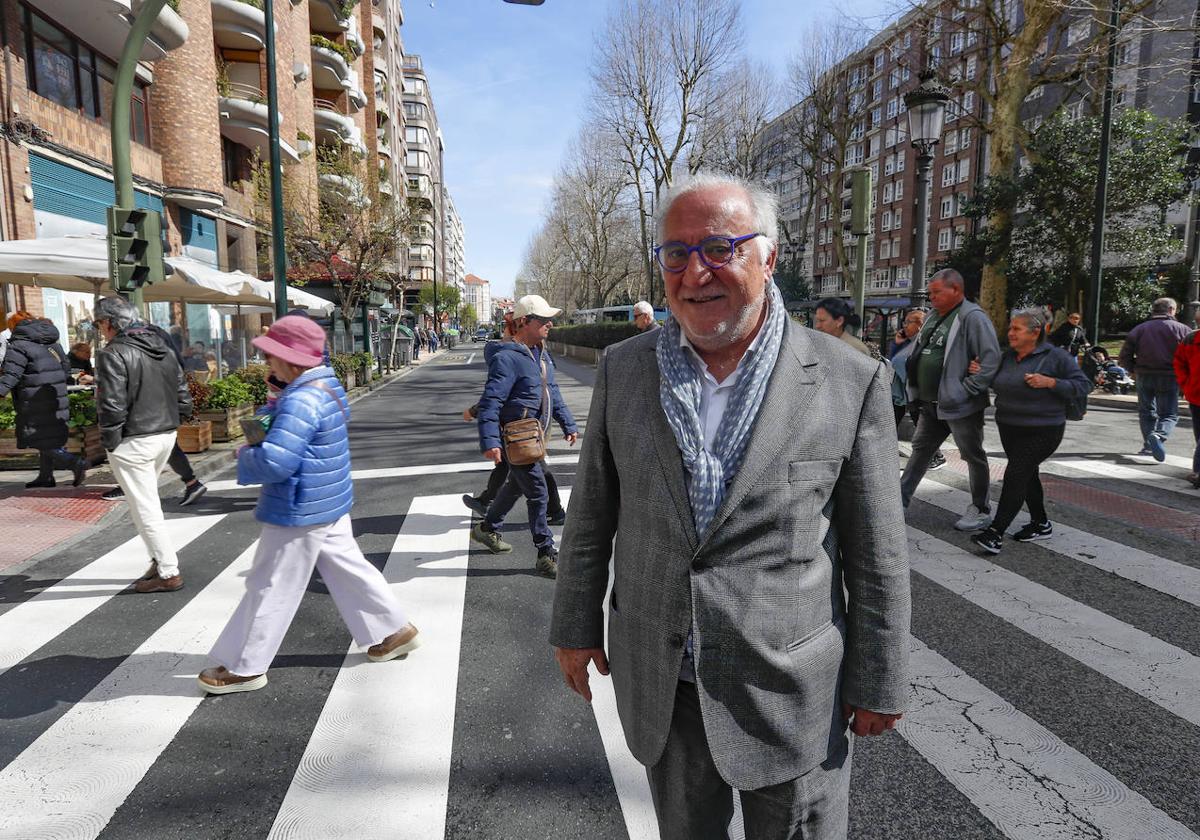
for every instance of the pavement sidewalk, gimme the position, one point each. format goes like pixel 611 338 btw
pixel 39 523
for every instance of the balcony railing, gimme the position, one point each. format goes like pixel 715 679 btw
pixel 238 90
pixel 325 105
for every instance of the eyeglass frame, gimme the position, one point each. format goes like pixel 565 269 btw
pixel 734 242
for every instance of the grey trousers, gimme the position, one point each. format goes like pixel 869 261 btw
pixel 968 437
pixel 693 802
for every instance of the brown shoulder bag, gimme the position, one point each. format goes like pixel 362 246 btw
pixel 525 439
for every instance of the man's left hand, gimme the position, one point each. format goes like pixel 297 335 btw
pixel 864 722
pixel 571 438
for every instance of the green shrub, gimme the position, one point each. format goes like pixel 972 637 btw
pixel 255 377
pixel 598 336
pixel 83 409
pixel 365 359
pixel 8 414
pixel 325 43
pixel 343 363
pixel 226 392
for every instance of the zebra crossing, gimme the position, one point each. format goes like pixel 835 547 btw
pixel 427 748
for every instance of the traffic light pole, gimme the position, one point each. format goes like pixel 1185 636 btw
pixel 121 118
pixel 278 253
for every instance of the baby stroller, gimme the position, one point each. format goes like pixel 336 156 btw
pixel 1105 373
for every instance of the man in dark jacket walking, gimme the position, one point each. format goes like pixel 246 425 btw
pixel 521 385
pixel 140 397
pixel 1149 351
pixel 35 371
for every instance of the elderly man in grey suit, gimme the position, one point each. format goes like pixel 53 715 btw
pixel 739 470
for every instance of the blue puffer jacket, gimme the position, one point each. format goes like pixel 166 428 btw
pixel 514 390
pixel 304 464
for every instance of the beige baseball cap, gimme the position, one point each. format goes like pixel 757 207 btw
pixel 535 305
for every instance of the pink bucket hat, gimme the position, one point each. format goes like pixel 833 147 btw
pixel 297 340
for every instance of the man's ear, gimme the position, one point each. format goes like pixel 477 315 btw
pixel 769 265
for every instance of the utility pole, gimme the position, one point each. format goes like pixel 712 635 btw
pixel 1092 313
pixel 278 252
pixel 122 92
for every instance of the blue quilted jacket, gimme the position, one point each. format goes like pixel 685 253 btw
pixel 304 464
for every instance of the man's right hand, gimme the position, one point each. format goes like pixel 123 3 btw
pixel 574 665
pixel 493 455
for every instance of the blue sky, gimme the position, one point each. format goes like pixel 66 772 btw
pixel 510 83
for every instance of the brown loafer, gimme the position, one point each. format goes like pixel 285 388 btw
pixel 219 680
pixel 396 646
pixel 159 584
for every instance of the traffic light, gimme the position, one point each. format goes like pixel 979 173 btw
pixel 135 250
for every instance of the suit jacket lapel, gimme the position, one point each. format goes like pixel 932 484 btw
pixel 665 444
pixel 791 394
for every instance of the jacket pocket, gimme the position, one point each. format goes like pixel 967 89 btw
pixel 817 638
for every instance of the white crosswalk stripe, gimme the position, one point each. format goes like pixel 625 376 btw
pixel 388 731
pixel 1108 469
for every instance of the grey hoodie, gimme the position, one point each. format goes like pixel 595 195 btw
pixel 972 336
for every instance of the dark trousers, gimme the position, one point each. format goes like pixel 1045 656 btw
pixel 530 482
pixel 1026 447
pixel 1195 409
pixel 931 434
pixel 50 460
pixel 499 475
pixel 180 464
pixel 693 802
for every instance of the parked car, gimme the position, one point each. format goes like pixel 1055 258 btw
pixel 482 334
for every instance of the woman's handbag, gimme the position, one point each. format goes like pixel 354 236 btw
pixel 525 439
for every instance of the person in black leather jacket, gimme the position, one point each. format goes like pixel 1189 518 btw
pixel 140 397
pixel 35 370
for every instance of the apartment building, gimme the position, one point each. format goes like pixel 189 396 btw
pixel 477 293
pixel 423 158
pixel 199 124
pixel 454 250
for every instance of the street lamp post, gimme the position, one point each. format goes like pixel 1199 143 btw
pixel 926 116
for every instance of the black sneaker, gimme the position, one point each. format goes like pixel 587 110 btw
pixel 79 472
pixel 40 482
pixel 477 505
pixel 113 494
pixel 192 493
pixel 937 461
pixel 547 563
pixel 557 518
pixel 989 540
pixel 1034 531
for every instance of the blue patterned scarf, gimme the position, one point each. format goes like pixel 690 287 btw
pixel 679 391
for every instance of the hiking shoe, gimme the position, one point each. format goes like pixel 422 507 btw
pixel 79 472
pixel 973 520
pixel 1155 444
pixel 159 584
pixel 937 461
pixel 396 646
pixel 40 482
pixel 490 540
pixel 477 505
pixel 989 540
pixel 1034 531
pixel 547 563
pixel 113 494
pixel 219 681
pixel 557 518
pixel 192 493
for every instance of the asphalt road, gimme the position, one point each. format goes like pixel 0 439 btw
pixel 1055 686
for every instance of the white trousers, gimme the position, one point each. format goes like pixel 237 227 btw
pixel 282 567
pixel 136 464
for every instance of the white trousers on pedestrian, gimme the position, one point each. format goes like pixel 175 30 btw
pixel 136 464
pixel 278 579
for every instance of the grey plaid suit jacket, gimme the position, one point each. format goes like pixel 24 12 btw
pixel 798 595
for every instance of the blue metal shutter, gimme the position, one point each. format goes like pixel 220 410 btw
pixel 198 231
pixel 67 191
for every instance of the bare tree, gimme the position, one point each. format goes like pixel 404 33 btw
pixel 745 99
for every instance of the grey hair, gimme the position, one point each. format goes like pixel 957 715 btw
pixel 644 307
pixel 117 311
pixel 764 206
pixel 1035 319
pixel 1163 306
pixel 950 277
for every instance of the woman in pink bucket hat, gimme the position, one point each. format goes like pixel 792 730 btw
pixel 303 465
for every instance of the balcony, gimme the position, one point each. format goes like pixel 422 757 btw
pixel 378 23
pixel 331 70
pixel 245 119
pixel 385 186
pixel 330 15
pixel 332 125
pixel 384 149
pixel 354 39
pixel 107 23
pixel 238 25
pixel 358 97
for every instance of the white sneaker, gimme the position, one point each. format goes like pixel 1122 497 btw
pixel 973 520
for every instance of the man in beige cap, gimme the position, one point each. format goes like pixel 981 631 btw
pixel 521 385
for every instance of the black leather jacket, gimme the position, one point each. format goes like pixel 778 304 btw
pixel 140 389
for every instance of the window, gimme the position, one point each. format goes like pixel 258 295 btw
pixel 960 203
pixel 892 105
pixel 947 205
pixel 1075 110
pixel 960 236
pixel 944 240
pixel 417 159
pixel 899 161
pixel 889 165
pixel 907 40
pixel 899 190
pixel 877 90
pixel 964 138
pixel 935 55
pixel 895 247
pixel 1196 91
pixel 888 192
pixel 880 57
pixel 949 171
pixel 64 70
pixel 1036 93
pixel 906 73
pixel 1119 97
pixel 951 143
pixel 894 78
pixel 885 222
pixel 415 111
pixel 972 66
pixel 1123 53
pixel 876 116
pixel 956 43
pixel 233 162
pixel 1078 30
pixel 416 134
pixel 964 171
pixel 972 37
pixel 885 249
pixel 897 220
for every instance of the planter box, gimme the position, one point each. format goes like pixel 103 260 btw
pixel 83 441
pixel 225 425
pixel 195 437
